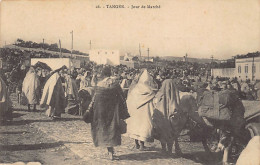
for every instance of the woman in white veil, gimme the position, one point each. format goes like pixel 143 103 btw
pixel 140 107
pixel 31 88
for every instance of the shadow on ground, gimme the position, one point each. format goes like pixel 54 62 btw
pixel 198 157
pixel 21 147
pixel 76 142
pixel 204 158
pixel 14 133
pixel 16 115
pixel 24 122
pixel 149 155
pixel 26 110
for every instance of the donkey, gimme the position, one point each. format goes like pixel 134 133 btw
pixel 184 114
pixel 188 112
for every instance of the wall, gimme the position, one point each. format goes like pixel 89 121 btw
pixel 110 57
pixel 56 63
pixel 130 64
pixel 83 59
pixel 223 72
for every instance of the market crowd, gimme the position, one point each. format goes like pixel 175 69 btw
pixel 111 97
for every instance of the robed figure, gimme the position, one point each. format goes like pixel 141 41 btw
pixel 72 95
pixel 5 102
pixel 109 107
pixel 166 104
pixel 31 88
pixel 53 96
pixel 141 108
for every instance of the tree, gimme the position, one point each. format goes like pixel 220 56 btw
pixel 53 47
pixel 20 40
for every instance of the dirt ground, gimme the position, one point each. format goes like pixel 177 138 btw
pixel 26 141
pixel 21 142
pixel 33 137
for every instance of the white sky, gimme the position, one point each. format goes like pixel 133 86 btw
pixel 201 28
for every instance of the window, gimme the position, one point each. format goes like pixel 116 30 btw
pixel 246 69
pixel 239 69
pixel 253 69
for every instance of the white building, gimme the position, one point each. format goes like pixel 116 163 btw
pixel 245 68
pixel 127 57
pixel 248 68
pixel 111 57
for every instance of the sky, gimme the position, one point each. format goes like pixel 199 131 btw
pixel 201 28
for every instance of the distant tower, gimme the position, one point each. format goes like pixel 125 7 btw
pixel 185 58
pixel 148 53
pixel 140 53
pixel 43 45
pixel 71 43
pixel 212 58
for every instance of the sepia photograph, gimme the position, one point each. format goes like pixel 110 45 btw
pixel 129 82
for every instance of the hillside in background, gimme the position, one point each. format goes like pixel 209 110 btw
pixel 54 53
pixel 51 47
pixel 198 60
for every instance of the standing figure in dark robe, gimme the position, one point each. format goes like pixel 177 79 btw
pixel 257 90
pixel 166 103
pixel 72 95
pixel 53 96
pixel 5 103
pixel 110 109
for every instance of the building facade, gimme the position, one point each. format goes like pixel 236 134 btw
pixel 110 57
pixel 245 68
pixel 248 68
